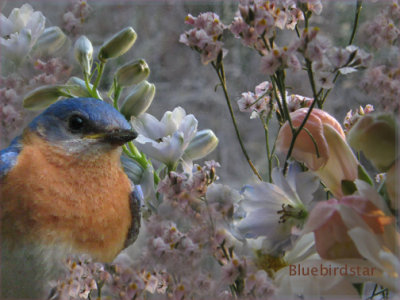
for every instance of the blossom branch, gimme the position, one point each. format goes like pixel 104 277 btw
pixel 221 75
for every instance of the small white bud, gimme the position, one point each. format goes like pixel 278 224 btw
pixel 118 44
pixel 202 144
pixel 138 100
pixel 132 73
pixel 84 53
pixel 43 96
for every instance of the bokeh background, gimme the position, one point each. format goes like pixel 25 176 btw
pixel 181 79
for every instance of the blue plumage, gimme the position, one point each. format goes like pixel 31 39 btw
pixel 8 156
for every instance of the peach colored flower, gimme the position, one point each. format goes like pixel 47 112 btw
pixel 322 147
pixel 327 221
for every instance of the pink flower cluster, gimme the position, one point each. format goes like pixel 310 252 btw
pixel 11 113
pixel 296 102
pixel 76 16
pixel 255 21
pixel 384 29
pixel 82 277
pixel 383 82
pixel 257 102
pixel 205 37
pixel 327 60
pixel 52 71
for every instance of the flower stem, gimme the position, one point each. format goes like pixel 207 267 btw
pixel 356 19
pixel 117 93
pixel 99 75
pixel 353 34
pixel 280 82
pixel 269 153
pixel 221 75
pixel 295 134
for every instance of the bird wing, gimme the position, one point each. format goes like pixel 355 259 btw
pixel 135 203
pixel 133 171
pixel 9 156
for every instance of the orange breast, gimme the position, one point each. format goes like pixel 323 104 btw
pixel 55 198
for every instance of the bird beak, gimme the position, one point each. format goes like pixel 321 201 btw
pixel 116 137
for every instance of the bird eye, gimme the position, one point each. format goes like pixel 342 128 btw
pixel 76 123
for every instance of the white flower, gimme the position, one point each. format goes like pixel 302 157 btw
pixel 271 210
pixel 167 139
pixel 19 32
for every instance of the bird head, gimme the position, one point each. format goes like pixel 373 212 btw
pixel 79 125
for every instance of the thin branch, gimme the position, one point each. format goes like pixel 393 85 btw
pixel 221 75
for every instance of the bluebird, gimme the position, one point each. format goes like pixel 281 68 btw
pixel 63 191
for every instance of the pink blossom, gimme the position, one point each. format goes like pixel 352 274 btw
pixel 205 36
pixel 233 269
pixel 314 6
pixel 245 103
pixel 160 246
pixel 326 221
pixel 75 17
pixel 383 29
pixel 297 101
pixel 257 101
pixel 270 63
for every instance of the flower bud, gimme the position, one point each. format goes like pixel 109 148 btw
pixel 204 142
pixel 43 96
pixel 132 73
pixel 84 53
pixel 375 135
pixel 322 147
pixel 138 100
pixel 51 40
pixel 118 44
pixel 330 224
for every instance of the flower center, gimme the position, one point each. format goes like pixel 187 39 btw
pixel 288 211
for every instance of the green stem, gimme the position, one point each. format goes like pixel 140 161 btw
pixel 87 83
pixel 269 156
pixel 99 75
pixel 117 93
pixel 282 90
pixel 353 34
pixel 134 150
pixel 295 135
pixel 221 75
pixel 312 82
pixel 273 80
pixel 356 19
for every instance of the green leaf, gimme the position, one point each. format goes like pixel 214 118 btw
pixel 364 176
